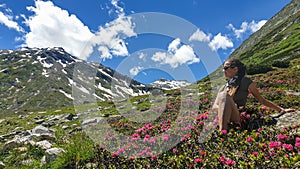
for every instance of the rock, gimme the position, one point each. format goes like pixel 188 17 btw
pixel 43 161
pixel 45 144
pixel 74 126
pixel 40 130
pixel 39 121
pixel 89 121
pixel 65 127
pixel 75 130
pixel 2 165
pixel 52 154
pixel 70 117
pixel 21 149
pixel 9 145
pixel 288 119
pixel 46 136
pixel 27 162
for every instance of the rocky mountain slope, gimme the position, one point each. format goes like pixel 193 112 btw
pixel 39 79
pixel 275 44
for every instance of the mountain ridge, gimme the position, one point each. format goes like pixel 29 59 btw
pixel 35 79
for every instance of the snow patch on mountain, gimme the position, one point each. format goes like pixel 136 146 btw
pixel 166 84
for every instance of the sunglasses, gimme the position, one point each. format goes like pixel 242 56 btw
pixel 226 67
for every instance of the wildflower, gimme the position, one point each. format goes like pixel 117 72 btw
pixel 121 150
pixel 183 139
pixel 297 139
pixel 197 160
pixel 279 81
pixel 165 137
pixel 222 159
pixel 149 154
pixel 206 100
pixel 135 136
pixel 224 132
pixel 249 139
pixel 288 147
pixel 175 150
pixel 146 139
pixel 200 123
pixel 297 144
pixel 248 116
pixel 230 162
pixel 255 153
pixel 282 137
pixel 115 154
pixel 203 153
pixel 154 157
pixel 152 140
pixel 258 134
pixel 264 107
pixel 275 144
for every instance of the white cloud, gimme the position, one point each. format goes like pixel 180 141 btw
pixel 220 41
pixel 255 26
pixel 135 70
pixel 51 26
pixel 119 10
pixel 247 27
pixel 111 37
pixel 200 36
pixel 142 56
pixel 8 22
pixel 176 55
pixel 173 46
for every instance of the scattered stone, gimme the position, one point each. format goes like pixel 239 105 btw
pixel 2 165
pixel 27 162
pixel 21 149
pixel 74 126
pixel 39 121
pixel 89 121
pixel 40 130
pixel 53 153
pixel 65 127
pixel 288 119
pixel 45 144
pixel 70 117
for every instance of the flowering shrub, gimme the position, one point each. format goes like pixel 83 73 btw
pixel 254 143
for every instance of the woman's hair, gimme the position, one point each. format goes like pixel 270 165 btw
pixel 241 68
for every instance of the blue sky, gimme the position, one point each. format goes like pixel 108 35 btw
pixel 143 39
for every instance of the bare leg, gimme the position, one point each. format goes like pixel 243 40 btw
pixel 227 111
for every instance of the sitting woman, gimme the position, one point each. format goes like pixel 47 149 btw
pixel 234 94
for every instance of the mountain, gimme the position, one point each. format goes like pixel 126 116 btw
pixel 166 84
pixel 275 44
pixel 39 79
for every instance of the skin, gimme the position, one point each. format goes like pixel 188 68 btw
pixel 231 72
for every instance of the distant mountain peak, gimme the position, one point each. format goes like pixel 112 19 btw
pixel 166 84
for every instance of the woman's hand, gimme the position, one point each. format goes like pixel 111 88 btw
pixel 288 110
pixel 283 111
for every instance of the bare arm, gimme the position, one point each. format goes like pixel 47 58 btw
pixel 252 89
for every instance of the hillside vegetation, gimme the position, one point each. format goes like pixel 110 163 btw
pixel 97 135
